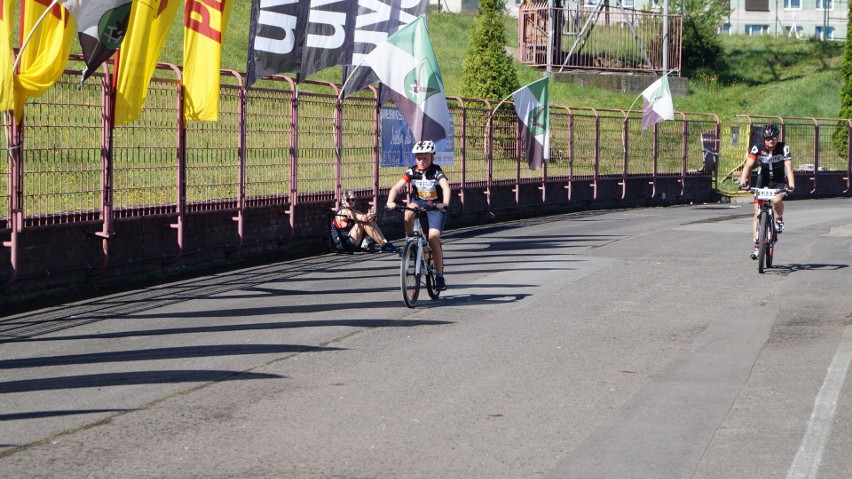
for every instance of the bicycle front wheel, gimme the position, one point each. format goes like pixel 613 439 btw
pixel 431 284
pixel 771 234
pixel 409 279
pixel 762 240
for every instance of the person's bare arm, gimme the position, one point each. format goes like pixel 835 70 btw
pixel 746 174
pixel 791 178
pixel 394 191
pixel 446 191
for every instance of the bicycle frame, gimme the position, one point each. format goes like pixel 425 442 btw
pixel 766 233
pixel 415 265
pixel 418 237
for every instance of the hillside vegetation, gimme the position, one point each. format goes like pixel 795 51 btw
pixel 764 75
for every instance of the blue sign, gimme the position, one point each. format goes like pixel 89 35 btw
pixel 397 142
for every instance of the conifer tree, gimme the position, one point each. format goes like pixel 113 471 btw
pixel 841 135
pixel 488 72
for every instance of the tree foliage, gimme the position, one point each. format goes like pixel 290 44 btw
pixel 841 135
pixel 702 49
pixel 487 71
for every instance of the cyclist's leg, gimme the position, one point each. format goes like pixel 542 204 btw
pixel 437 252
pixel 411 217
pixel 778 203
pixel 754 221
pixel 409 223
pixel 436 227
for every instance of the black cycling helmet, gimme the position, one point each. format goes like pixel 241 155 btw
pixel 769 130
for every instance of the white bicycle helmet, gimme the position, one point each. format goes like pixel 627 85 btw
pixel 424 147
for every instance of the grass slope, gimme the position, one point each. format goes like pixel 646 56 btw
pixel 764 75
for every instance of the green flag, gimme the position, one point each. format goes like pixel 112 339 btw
pixel 657 103
pixel 405 63
pixel 532 104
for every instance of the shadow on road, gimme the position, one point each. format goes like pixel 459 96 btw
pixel 43 414
pixel 786 269
pixel 355 323
pixel 129 378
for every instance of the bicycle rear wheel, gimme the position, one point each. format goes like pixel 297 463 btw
pixel 431 284
pixel 762 225
pixel 409 279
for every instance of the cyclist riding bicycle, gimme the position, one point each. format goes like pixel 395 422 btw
pixel 775 171
pixel 430 187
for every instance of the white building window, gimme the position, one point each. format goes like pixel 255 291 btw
pixel 725 29
pixel 756 29
pixel 792 4
pixel 824 4
pixel 820 30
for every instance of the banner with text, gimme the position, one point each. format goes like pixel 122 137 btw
pixel 397 141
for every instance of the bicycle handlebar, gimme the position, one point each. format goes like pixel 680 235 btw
pixel 416 208
pixel 767 194
pixel 776 190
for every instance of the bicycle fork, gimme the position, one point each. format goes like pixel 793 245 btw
pixel 419 268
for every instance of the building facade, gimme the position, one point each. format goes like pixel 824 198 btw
pixel 823 19
pixel 457 6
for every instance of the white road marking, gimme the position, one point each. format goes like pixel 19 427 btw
pixel 809 457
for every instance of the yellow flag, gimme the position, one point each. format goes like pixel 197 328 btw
pixel 150 21
pixel 7 89
pixel 44 57
pixel 204 24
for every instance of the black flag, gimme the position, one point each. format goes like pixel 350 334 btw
pixel 276 37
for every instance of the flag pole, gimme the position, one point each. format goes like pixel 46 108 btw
pixel 346 82
pixel 488 123
pixel 490 114
pixel 640 95
pixel 30 35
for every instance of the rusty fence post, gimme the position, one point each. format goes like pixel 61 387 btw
pixel 15 185
pixel 107 167
pixel 241 159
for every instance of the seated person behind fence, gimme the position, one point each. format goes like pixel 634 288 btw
pixel 352 224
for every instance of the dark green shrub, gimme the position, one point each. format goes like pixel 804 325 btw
pixel 840 139
pixel 488 72
pixel 702 48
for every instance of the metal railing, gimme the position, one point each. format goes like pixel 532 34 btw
pixel 282 145
pixel 600 37
pixel 819 146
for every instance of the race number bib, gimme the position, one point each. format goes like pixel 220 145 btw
pixel 426 189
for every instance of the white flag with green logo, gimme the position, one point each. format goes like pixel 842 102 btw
pixel 657 103
pixel 406 64
pixel 101 25
pixel 532 103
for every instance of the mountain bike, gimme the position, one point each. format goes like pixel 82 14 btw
pixel 416 264
pixel 767 235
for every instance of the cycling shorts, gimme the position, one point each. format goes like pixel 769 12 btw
pixel 436 218
pixel 771 184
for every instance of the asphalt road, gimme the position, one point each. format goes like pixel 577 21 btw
pixel 637 343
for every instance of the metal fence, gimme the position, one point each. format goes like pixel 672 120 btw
pixel 283 144
pixel 601 37
pixel 277 142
